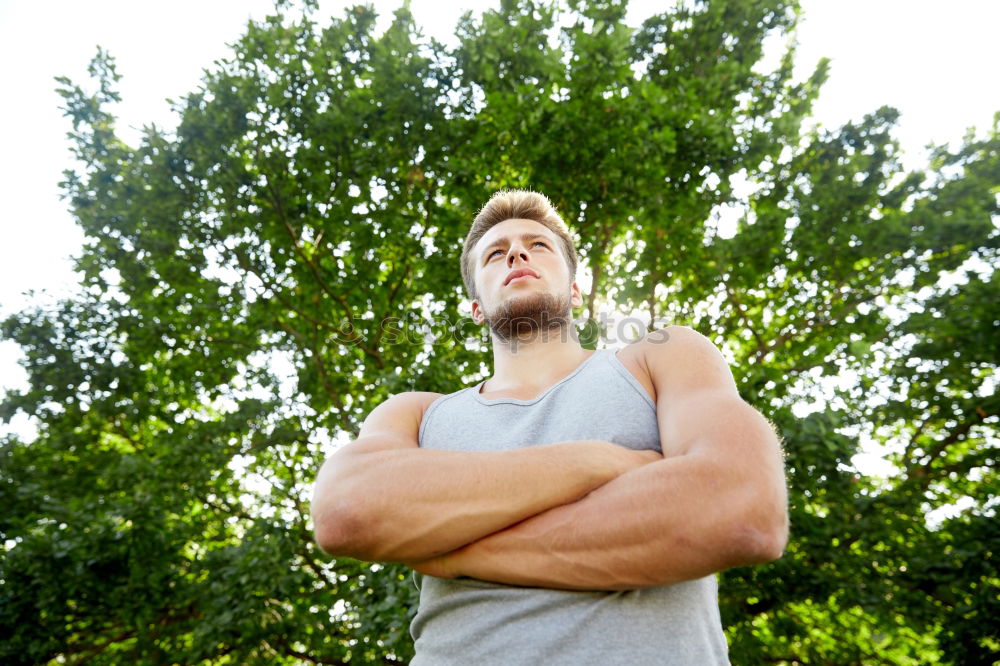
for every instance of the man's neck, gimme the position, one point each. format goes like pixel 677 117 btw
pixel 534 363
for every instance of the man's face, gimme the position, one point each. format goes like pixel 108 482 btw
pixel 522 280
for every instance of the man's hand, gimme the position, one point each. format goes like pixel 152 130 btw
pixel 442 566
pixel 642 457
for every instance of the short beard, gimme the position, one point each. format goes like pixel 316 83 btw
pixel 525 319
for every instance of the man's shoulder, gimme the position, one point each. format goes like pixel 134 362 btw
pixel 408 403
pixel 400 414
pixel 677 343
pixel 672 338
pixel 413 400
pixel 676 357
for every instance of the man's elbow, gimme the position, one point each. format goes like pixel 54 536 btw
pixel 771 545
pixel 764 542
pixel 337 529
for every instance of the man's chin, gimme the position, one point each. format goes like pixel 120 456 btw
pixel 528 315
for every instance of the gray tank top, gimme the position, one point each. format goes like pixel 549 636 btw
pixel 467 621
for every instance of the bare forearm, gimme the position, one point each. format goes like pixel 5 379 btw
pixel 658 525
pixel 406 504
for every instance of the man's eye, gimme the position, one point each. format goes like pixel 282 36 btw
pixel 540 243
pixel 494 253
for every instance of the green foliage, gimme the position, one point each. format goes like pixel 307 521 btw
pixel 256 281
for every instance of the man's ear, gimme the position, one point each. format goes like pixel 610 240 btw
pixel 575 298
pixel 477 312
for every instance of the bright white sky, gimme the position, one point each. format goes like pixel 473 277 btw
pixel 932 60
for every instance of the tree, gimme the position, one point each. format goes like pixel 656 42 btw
pixel 257 280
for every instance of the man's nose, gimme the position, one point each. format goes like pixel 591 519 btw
pixel 516 251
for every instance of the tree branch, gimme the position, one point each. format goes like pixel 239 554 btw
pixel 761 345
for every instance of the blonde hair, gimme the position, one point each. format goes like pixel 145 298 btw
pixel 515 205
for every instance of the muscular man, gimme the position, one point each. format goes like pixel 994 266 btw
pixel 573 508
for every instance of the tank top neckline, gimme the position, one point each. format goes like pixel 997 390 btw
pixel 517 401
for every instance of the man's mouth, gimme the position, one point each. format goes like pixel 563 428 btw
pixel 520 274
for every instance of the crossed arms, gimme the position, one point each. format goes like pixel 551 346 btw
pixel 570 515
